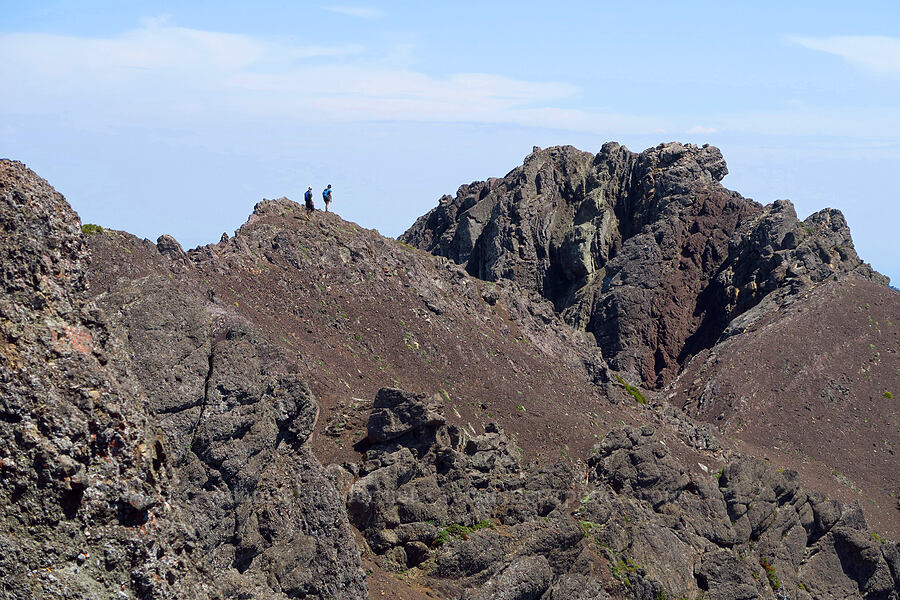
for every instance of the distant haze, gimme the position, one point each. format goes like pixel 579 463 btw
pixel 163 118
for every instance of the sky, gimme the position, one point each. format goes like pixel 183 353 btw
pixel 177 117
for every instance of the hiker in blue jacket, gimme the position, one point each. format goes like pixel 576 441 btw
pixel 308 198
pixel 326 196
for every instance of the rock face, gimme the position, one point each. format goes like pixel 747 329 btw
pixel 236 418
pixel 152 446
pixel 84 477
pixel 158 423
pixel 460 509
pixel 761 532
pixel 648 252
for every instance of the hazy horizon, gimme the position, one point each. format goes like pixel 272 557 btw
pixel 159 117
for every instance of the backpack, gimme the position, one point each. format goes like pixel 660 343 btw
pixel 326 195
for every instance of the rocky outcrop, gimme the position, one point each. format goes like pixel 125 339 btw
pixel 156 416
pixel 458 508
pixel 236 420
pixel 776 256
pixel 84 475
pixel 648 252
pixel 458 504
pixel 153 445
pixel 760 532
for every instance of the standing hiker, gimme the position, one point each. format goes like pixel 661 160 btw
pixel 307 197
pixel 326 196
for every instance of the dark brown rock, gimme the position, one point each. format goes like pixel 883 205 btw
pixel 648 252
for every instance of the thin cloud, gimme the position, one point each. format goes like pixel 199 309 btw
pixel 165 74
pixel 360 12
pixel 876 54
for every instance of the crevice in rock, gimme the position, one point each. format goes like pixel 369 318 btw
pixel 243 558
pixel 159 456
pixel 9 417
pixel 70 501
pixel 206 383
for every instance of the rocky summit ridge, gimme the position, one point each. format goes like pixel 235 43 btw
pixel 647 252
pixel 569 402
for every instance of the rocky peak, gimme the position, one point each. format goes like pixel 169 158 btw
pixel 41 244
pixel 169 246
pixel 146 435
pixel 647 252
pixel 775 256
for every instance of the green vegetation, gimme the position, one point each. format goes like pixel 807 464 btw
pixel 771 575
pixel 878 538
pixel 635 392
pixel 622 569
pixel 456 530
pixel 91 229
pixel 588 526
pixel 888 395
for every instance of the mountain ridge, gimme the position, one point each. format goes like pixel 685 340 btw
pixel 255 358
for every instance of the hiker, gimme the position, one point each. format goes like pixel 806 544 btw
pixel 326 196
pixel 308 198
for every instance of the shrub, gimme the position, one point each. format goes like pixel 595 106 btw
pixel 91 229
pixel 587 527
pixel 771 575
pixel 622 569
pixel 635 392
pixel 457 530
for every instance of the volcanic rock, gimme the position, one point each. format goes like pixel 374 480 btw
pixel 648 252
pixel 160 430
pixel 84 478
pixel 149 439
pixel 534 531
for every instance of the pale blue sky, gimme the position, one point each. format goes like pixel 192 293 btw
pixel 176 117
